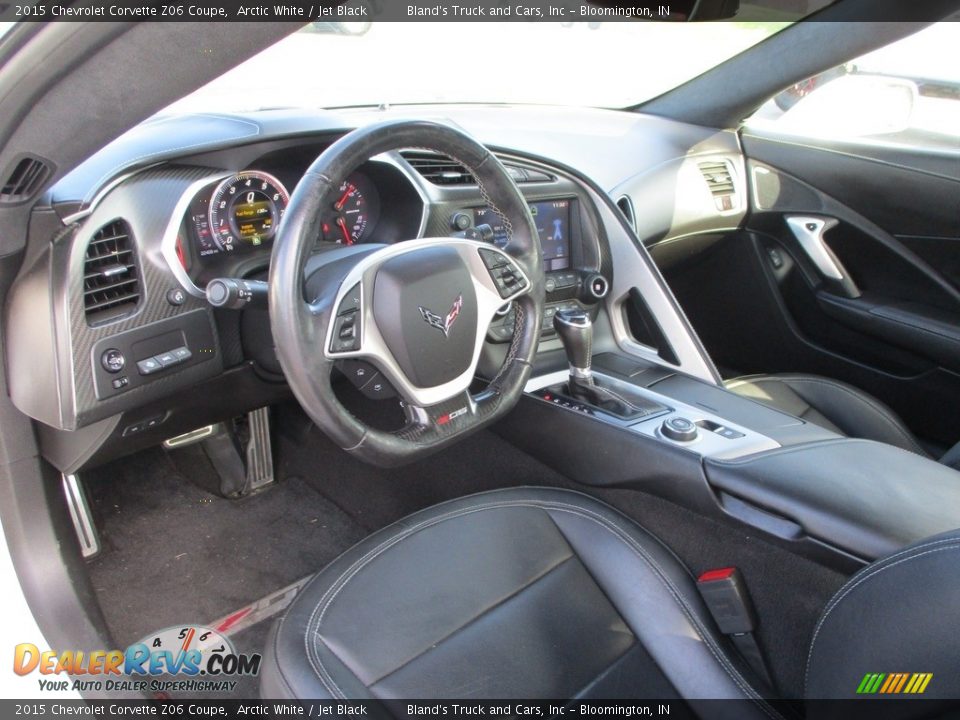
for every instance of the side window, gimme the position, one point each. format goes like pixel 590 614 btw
pixel 907 93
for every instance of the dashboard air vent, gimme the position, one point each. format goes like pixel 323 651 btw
pixel 111 281
pixel 626 207
pixel 438 169
pixel 442 170
pixel 719 178
pixel 26 178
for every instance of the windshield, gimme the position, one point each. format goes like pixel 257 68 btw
pixel 611 64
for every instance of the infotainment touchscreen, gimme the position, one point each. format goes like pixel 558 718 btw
pixel 552 218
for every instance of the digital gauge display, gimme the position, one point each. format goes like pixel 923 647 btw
pixel 245 210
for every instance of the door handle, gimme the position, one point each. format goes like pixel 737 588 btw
pixel 809 231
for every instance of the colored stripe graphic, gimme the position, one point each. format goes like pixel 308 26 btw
pixel 894 683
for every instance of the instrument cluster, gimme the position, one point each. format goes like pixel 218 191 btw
pixel 233 221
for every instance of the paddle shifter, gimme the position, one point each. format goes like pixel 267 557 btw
pixel 576 333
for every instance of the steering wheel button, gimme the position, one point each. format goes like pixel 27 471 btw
pixel 351 301
pixel 493 259
pixel 377 388
pixel 358 372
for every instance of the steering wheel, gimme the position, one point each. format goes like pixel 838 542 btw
pixel 418 311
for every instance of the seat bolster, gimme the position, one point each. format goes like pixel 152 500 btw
pixel 878 624
pixel 657 597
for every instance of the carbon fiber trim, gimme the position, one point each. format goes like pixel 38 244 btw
pixel 148 220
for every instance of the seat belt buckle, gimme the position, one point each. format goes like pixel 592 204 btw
pixel 725 593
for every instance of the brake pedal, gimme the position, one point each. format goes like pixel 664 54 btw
pixel 82 518
pixel 241 452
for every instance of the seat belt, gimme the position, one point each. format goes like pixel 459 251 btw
pixel 725 594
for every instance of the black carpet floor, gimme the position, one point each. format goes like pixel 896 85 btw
pixel 174 553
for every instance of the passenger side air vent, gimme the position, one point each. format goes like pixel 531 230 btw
pixel 26 178
pixel 626 208
pixel 111 281
pixel 438 169
pixel 718 175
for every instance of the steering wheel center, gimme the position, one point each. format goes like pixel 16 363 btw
pixel 425 305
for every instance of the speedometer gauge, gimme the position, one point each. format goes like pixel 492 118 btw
pixel 245 210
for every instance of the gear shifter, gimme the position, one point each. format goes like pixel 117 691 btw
pixel 576 333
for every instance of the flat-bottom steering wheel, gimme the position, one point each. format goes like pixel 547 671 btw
pixel 418 311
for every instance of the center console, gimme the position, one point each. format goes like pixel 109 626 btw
pixel 618 401
pixel 615 420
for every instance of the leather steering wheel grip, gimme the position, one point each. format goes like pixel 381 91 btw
pixel 299 325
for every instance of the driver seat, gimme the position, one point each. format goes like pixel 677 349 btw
pixel 540 593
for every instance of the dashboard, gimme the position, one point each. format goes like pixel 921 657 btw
pixel 136 352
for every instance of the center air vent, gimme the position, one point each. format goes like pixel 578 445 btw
pixel 111 282
pixel 438 169
pixel 719 177
pixel 442 170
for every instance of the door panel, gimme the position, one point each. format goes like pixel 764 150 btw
pixel 888 321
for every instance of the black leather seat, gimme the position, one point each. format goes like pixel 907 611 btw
pixel 831 404
pixel 537 593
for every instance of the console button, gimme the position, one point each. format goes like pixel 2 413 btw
pixel 182 354
pixel 166 359
pixel 728 433
pixel 112 360
pixel 679 428
pixel 149 366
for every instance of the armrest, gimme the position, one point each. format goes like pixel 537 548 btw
pixel 928 331
pixel 863 497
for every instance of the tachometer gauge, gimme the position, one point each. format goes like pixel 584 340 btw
pixel 245 210
pixel 353 214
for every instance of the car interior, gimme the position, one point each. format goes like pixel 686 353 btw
pixel 481 400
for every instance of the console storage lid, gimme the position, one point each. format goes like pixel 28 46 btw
pixel 865 498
